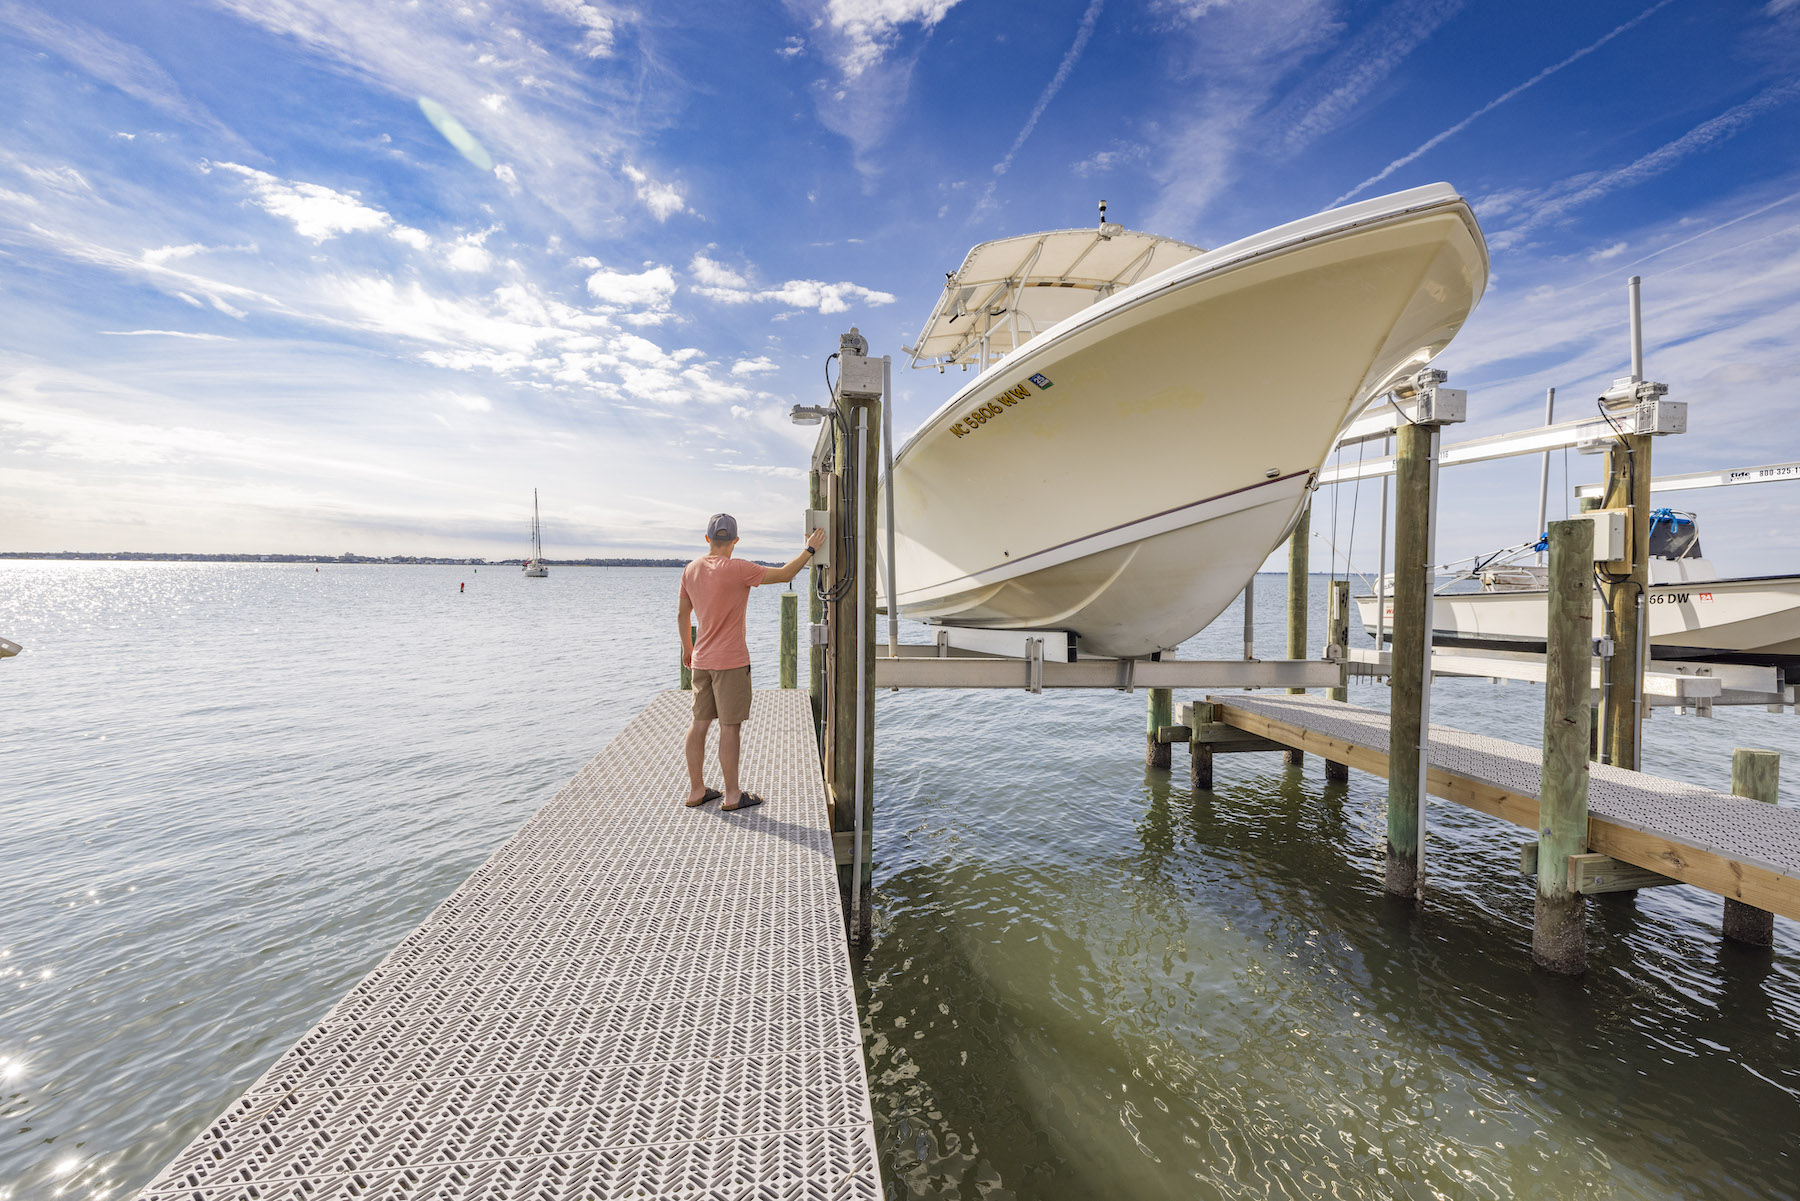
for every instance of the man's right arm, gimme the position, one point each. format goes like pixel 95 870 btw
pixel 684 613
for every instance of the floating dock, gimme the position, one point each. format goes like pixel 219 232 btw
pixel 1672 831
pixel 629 999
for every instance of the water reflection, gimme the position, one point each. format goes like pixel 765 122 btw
pixel 1218 1000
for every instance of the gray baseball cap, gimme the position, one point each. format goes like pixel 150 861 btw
pixel 722 528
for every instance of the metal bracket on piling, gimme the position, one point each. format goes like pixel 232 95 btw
pixel 1034 665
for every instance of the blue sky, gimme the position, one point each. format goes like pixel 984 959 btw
pixel 256 301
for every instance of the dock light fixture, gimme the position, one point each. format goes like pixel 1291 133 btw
pixel 808 414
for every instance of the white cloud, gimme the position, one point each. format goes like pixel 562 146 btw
pixel 1608 252
pixel 650 288
pixel 1102 161
pixel 662 199
pixel 470 253
pixel 315 211
pixel 599 28
pixel 791 48
pixel 866 29
pixel 773 472
pixel 762 364
pixel 803 294
pixel 713 274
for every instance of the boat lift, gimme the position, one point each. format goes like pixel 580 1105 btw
pixel 1632 405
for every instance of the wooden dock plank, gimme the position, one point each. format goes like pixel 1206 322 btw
pixel 1737 848
pixel 629 998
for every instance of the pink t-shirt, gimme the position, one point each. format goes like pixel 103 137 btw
pixel 719 588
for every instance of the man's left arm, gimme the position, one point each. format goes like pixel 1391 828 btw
pixel 781 575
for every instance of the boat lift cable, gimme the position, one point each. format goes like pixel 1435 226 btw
pixel 846 473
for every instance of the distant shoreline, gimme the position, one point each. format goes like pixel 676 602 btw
pixel 408 560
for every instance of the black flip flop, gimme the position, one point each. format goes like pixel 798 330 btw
pixel 711 794
pixel 746 800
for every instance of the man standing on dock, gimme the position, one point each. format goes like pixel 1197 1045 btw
pixel 716 589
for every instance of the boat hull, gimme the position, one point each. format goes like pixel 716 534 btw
pixel 1124 474
pixel 1746 620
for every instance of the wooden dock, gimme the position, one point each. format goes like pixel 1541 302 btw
pixel 630 998
pixel 1741 849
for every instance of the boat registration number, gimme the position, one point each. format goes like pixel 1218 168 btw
pixel 981 414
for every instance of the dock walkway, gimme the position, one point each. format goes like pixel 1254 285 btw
pixel 628 999
pixel 1742 849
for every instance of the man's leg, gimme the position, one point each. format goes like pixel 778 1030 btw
pixel 728 762
pixel 696 757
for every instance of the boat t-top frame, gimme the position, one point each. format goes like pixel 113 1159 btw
pixel 1010 290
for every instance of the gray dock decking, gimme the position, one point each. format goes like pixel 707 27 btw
pixel 628 999
pixel 1739 848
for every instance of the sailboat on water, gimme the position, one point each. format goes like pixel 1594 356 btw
pixel 534 566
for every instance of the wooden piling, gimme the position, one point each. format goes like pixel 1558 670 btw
pixel 1161 708
pixel 1409 678
pixel 1559 926
pixel 1200 758
pixel 1298 545
pixel 790 639
pixel 1757 775
pixel 815 613
pixel 850 695
pixel 1337 634
pixel 1624 591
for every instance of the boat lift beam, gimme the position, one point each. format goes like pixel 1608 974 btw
pixel 1668 683
pixel 939 666
pixel 1771 473
pixel 1650 415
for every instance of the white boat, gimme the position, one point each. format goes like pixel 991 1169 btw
pixel 1147 418
pixel 1694 612
pixel 534 566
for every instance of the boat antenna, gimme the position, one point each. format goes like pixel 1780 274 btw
pixel 1103 214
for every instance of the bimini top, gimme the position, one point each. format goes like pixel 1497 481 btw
pixel 1008 291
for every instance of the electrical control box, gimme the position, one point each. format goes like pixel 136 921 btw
pixel 1610 531
pixel 819 519
pixel 859 378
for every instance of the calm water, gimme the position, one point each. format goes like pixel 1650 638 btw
pixel 227 791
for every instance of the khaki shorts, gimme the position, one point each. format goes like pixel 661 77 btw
pixel 723 695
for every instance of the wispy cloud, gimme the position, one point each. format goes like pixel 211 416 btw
pixel 866 93
pixel 114 63
pixel 1443 136
pixel 1572 194
pixel 817 295
pixel 165 333
pixel 1338 88
pixel 1083 32
pixel 1236 57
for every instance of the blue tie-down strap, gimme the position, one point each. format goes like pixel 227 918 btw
pixel 1543 542
pixel 1675 520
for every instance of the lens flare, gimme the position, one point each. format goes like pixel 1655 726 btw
pixel 455 134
